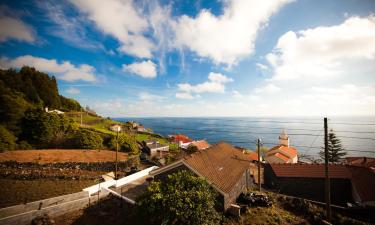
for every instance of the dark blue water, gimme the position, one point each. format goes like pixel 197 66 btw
pixel 357 134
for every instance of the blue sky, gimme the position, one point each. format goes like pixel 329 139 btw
pixel 200 58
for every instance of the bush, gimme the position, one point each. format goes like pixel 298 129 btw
pixel 7 140
pixel 127 142
pixel 182 198
pixel 88 140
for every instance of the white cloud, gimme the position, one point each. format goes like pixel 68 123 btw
pixel 121 20
pixel 325 52
pixel 237 94
pixel 184 95
pixel 72 29
pixel 63 71
pixel 145 96
pixel 72 91
pixel 215 84
pixel 229 37
pixel 262 66
pixel 267 89
pixel 146 69
pixel 13 28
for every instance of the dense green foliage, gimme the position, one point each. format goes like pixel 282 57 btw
pixel 181 199
pixel 335 150
pixel 23 96
pixel 88 140
pixel 126 142
pixel 7 140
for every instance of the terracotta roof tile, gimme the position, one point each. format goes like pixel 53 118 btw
pixel 280 156
pixel 310 170
pixel 287 151
pixel 363 179
pixel 222 164
pixel 181 137
pixel 202 144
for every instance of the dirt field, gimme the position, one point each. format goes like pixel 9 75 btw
pixel 15 192
pixel 60 156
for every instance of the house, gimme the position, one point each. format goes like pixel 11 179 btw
pixel 153 147
pixel 361 161
pixel 183 141
pixel 140 128
pixel 282 153
pixel 201 145
pixel 224 167
pixel 54 111
pixel 348 183
pixel 115 127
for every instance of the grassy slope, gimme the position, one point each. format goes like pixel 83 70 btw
pixel 102 125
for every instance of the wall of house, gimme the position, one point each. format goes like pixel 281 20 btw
pixel 310 188
pixel 244 182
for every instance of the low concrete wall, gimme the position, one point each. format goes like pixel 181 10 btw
pixel 134 176
pixel 53 211
pixel 17 209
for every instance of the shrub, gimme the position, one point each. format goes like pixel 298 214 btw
pixel 180 199
pixel 7 139
pixel 88 140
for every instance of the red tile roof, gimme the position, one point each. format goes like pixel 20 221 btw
pixel 363 180
pixel 202 144
pixel 290 152
pixel 310 170
pixel 361 161
pixel 281 156
pixel 180 137
pixel 221 164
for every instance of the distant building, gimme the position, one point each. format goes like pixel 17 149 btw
pixel 54 111
pixel 140 128
pixel 348 183
pixel 153 147
pixel 115 127
pixel 183 141
pixel 201 145
pixel 282 153
pixel 225 168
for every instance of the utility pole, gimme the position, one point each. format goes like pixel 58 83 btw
pixel 259 184
pixel 118 129
pixel 81 116
pixel 327 180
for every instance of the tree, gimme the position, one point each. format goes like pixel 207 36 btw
pixel 7 140
pixel 88 140
pixel 127 142
pixel 45 129
pixel 335 150
pixel 192 149
pixel 182 198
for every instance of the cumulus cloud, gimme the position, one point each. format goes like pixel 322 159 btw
pixel 267 89
pixel 72 91
pixel 229 37
pixel 184 95
pixel 326 51
pixel 145 96
pixel 146 69
pixel 121 20
pixel 14 28
pixel 215 84
pixel 63 70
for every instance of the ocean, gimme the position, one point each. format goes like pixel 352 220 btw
pixel 357 134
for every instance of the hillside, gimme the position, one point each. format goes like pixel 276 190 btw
pixel 25 124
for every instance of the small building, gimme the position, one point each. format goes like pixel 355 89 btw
pixel 183 141
pixel 115 127
pixel 153 147
pixel 348 183
pixel 140 128
pixel 54 111
pixel 201 145
pixel 282 153
pixel 225 168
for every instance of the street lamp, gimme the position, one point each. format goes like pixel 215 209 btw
pixel 118 129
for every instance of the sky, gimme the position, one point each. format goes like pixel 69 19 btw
pixel 184 58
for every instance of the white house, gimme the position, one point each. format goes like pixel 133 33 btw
pixel 54 111
pixel 282 153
